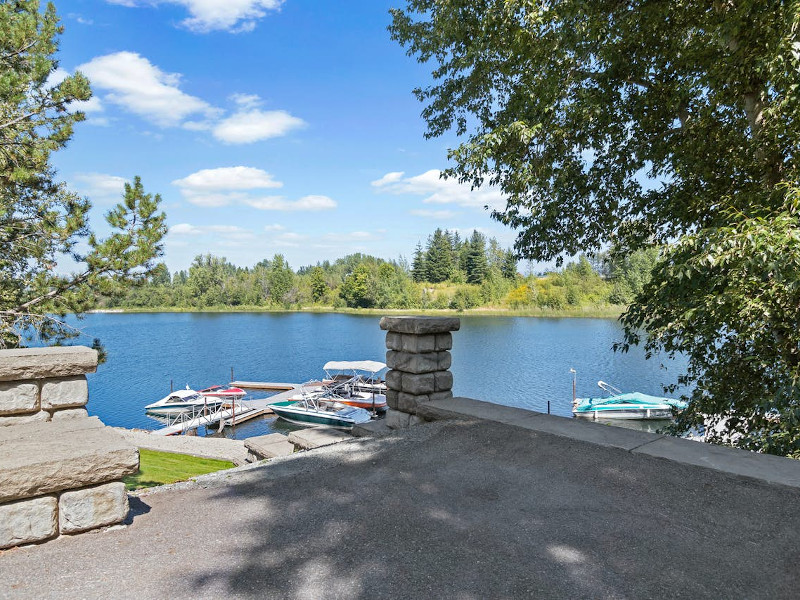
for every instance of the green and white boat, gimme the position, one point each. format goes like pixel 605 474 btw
pixel 315 411
pixel 631 405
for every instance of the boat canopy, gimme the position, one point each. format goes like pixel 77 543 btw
pixel 371 366
pixel 636 398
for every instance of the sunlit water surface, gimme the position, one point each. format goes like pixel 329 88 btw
pixel 516 361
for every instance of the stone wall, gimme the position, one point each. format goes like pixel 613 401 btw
pixel 44 384
pixel 60 470
pixel 419 360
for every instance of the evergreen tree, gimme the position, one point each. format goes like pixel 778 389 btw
pixel 41 221
pixel 439 257
pixel 419 271
pixel 476 263
pixel 509 266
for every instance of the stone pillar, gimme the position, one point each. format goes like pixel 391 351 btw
pixel 44 384
pixel 419 358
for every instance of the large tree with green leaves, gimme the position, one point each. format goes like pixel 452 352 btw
pixel 42 224
pixel 641 123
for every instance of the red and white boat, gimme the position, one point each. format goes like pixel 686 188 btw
pixel 223 392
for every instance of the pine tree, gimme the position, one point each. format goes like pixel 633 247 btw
pixel 40 220
pixel 418 269
pixel 476 263
pixel 439 257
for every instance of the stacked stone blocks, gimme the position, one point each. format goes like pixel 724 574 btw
pixel 44 384
pixel 419 358
pixel 60 470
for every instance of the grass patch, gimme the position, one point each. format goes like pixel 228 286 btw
pixel 159 468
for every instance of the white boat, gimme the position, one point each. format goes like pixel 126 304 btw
pixel 353 382
pixel 184 401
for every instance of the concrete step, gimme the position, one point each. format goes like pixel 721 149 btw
pixel 269 446
pixel 377 428
pixel 316 437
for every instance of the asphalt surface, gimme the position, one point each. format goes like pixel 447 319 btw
pixel 444 510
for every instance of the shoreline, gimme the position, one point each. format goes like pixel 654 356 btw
pixel 588 312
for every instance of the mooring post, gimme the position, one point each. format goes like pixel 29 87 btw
pixel 419 358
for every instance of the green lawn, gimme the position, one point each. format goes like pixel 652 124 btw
pixel 158 468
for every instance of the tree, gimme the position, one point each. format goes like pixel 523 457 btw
pixel 476 264
pixel 566 105
pixel 418 269
pixel 281 279
pixel 357 287
pixel 509 266
pixel 41 221
pixel 319 287
pixel 438 257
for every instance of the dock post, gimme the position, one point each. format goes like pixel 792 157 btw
pixel 419 358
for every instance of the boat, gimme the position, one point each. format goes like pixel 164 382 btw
pixel 355 383
pixel 361 375
pixel 184 401
pixel 316 411
pixel 226 392
pixel 631 405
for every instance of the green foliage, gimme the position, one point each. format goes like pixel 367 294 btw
pixel 736 319
pixel 356 290
pixel 40 220
pixel 466 297
pixel 630 273
pixel 280 281
pixel 439 257
pixel 565 105
pixel 476 265
pixel 319 286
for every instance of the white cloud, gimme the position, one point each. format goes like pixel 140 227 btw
pixel 232 185
pixel 306 203
pixel 439 191
pixel 92 105
pixel 274 227
pixel 184 229
pixel 227 178
pixel 248 126
pixel 234 16
pixel 100 187
pixel 133 82
pixel 246 100
pixel 392 177
pixel 223 186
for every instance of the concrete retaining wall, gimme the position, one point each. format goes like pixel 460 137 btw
pixel 60 470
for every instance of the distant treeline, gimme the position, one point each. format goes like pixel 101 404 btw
pixel 447 273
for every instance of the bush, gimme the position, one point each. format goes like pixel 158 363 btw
pixel 466 297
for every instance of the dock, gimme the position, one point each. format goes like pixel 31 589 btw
pixel 243 410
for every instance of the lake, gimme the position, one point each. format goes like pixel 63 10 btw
pixel 516 361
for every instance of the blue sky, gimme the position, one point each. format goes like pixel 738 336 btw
pixel 267 126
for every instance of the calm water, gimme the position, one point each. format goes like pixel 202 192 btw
pixel 515 361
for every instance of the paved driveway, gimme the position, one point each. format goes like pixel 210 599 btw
pixel 445 510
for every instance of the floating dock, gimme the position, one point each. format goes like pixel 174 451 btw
pixel 243 410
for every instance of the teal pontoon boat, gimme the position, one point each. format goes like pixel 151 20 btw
pixel 631 405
